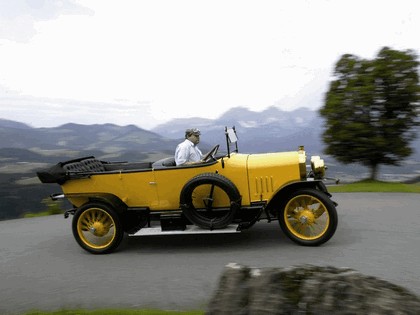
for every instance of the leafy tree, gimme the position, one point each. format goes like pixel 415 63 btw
pixel 371 109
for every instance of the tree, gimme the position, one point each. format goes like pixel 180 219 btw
pixel 372 109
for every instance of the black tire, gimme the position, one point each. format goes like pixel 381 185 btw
pixel 308 217
pixel 97 228
pixel 208 217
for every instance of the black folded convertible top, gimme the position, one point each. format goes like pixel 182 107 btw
pixel 62 171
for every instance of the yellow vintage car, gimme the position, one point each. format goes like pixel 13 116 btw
pixel 226 193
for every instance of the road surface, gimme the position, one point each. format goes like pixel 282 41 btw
pixel 43 268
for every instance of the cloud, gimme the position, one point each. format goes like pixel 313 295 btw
pixel 18 17
pixel 149 61
pixel 52 112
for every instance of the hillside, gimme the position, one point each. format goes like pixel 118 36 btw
pixel 106 138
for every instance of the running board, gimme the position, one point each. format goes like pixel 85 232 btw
pixel 190 229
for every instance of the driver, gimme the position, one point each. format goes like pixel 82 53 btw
pixel 187 152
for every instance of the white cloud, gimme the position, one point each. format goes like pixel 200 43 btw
pixel 192 58
pixel 18 17
pixel 50 112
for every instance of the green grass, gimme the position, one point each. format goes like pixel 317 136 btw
pixel 116 312
pixel 375 186
pixel 40 214
pixel 53 207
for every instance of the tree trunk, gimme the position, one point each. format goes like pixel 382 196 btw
pixel 373 171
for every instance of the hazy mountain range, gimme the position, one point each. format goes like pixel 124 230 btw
pixel 266 131
pixel 269 130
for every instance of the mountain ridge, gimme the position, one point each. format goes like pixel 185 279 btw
pixel 269 130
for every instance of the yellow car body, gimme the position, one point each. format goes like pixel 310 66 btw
pixel 229 190
pixel 257 176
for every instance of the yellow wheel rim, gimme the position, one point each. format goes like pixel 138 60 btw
pixel 96 228
pixel 306 217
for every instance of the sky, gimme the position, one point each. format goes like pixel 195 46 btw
pixel 147 62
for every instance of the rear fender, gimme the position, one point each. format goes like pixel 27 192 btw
pixel 111 200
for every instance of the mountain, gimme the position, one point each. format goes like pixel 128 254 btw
pixel 107 138
pixel 266 131
pixel 4 123
pixel 269 130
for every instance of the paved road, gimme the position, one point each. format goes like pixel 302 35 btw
pixel 42 267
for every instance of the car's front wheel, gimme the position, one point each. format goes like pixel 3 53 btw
pixel 308 217
pixel 97 228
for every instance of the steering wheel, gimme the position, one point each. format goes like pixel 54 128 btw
pixel 210 155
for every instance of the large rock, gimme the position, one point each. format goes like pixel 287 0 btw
pixel 307 290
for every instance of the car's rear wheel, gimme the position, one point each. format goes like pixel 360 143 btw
pixel 97 228
pixel 210 201
pixel 308 217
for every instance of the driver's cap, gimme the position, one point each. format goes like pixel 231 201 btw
pixel 192 131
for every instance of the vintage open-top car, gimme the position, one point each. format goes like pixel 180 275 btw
pixel 226 193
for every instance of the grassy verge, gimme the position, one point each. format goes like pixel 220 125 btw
pixel 40 214
pixel 375 186
pixel 53 207
pixel 116 312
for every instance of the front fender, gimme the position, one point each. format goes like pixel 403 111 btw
pixel 284 191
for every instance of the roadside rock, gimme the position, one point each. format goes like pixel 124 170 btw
pixel 307 290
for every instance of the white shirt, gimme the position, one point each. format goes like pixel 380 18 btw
pixel 187 152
